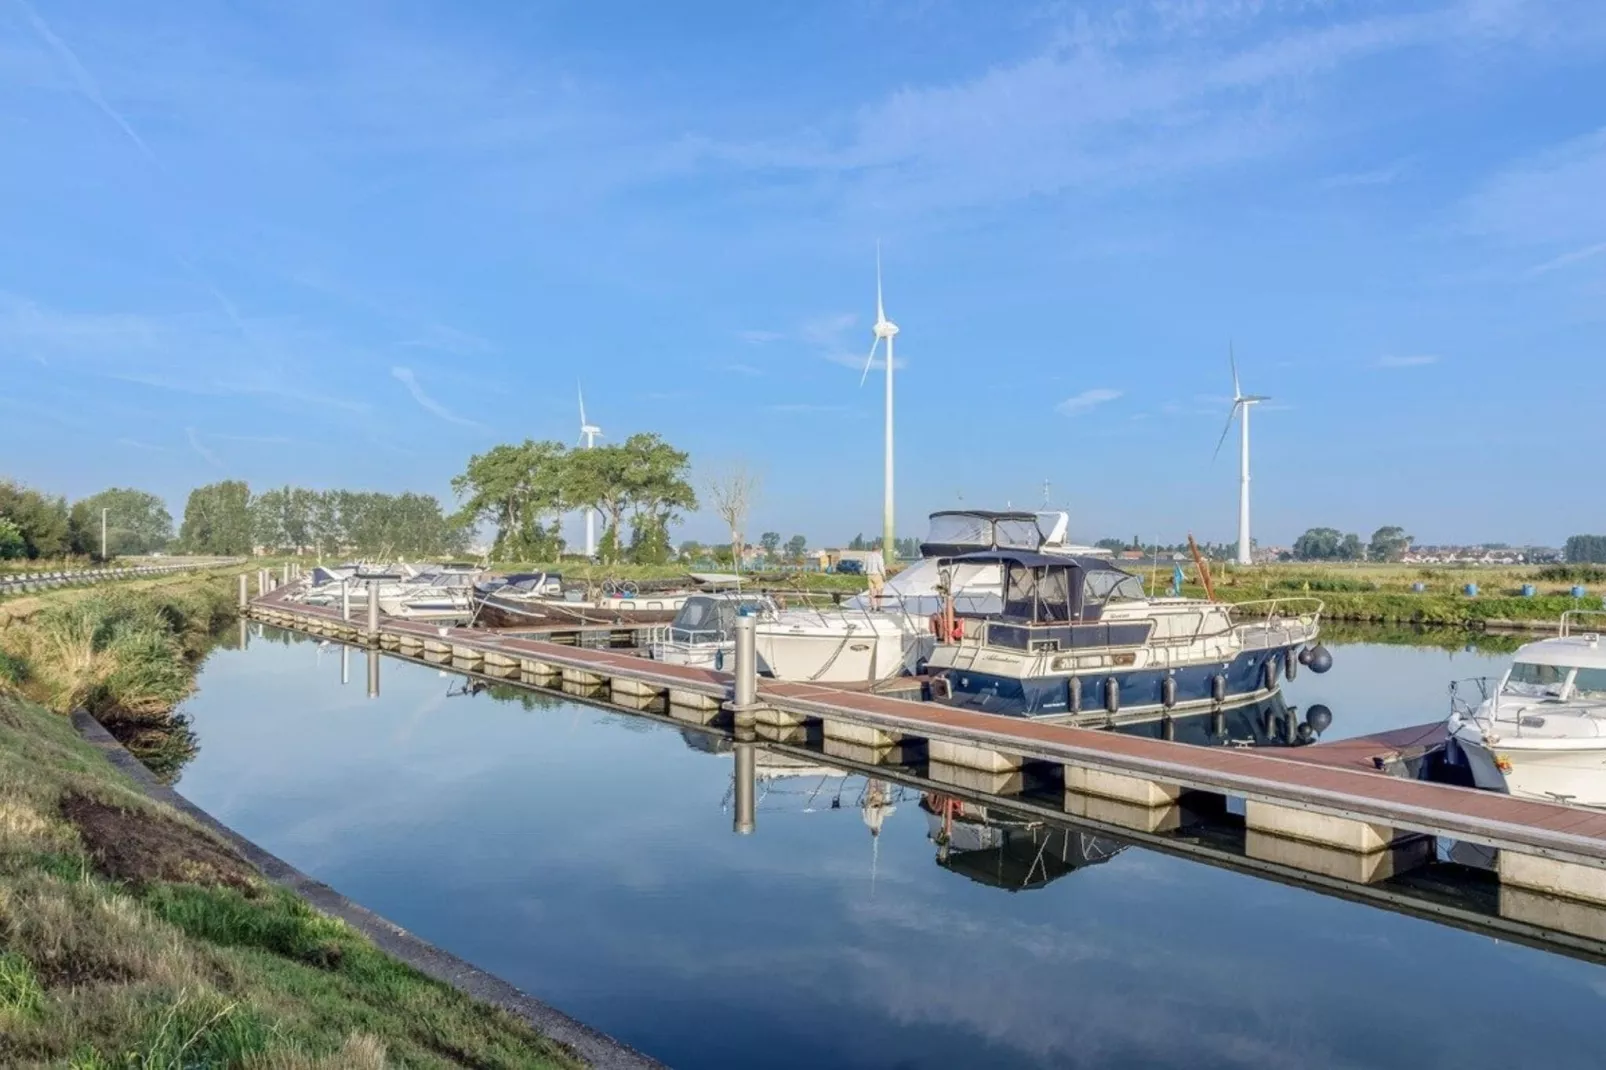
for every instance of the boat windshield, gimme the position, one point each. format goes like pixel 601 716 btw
pixel 960 529
pixel 1590 683
pixel 1536 681
pixel 1017 534
pixel 1108 585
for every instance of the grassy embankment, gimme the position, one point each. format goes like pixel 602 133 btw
pixel 1382 593
pixel 130 937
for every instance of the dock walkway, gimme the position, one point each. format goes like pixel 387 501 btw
pixel 1319 808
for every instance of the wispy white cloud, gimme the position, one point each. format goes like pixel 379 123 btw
pixel 1551 199
pixel 1087 399
pixel 1416 360
pixel 759 338
pixel 196 444
pixel 82 79
pixel 1120 97
pixel 1577 256
pixel 405 376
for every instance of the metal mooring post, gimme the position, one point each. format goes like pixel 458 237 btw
pixel 746 793
pixel 262 581
pixel 286 572
pixel 373 613
pixel 746 661
pixel 345 600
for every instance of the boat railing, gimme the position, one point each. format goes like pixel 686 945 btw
pixel 1570 616
pixel 1462 703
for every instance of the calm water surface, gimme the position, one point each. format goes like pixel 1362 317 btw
pixel 588 857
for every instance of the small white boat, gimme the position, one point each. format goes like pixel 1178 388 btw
pixel 703 633
pixel 1541 731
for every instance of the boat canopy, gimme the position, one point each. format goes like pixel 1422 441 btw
pixel 959 531
pixel 1054 589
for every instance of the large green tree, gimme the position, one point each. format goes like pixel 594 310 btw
pixel 42 521
pixel 599 478
pixel 657 490
pixel 136 522
pixel 1585 549
pixel 1319 544
pixel 217 519
pixel 520 491
pixel 1388 544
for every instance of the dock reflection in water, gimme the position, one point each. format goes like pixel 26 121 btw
pixel 587 855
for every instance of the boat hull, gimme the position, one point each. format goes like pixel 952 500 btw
pixel 831 655
pixel 1138 691
pixel 1575 775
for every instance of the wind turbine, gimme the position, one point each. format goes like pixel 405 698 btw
pixel 589 433
pixel 1240 408
pixel 885 330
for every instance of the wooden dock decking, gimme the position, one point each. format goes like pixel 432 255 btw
pixel 1326 797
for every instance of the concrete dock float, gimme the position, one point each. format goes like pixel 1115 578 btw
pixel 1320 810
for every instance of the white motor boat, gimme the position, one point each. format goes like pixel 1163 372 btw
pixel 1541 731
pixel 867 639
pixel 703 633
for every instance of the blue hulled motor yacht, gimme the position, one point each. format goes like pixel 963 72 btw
pixel 1078 639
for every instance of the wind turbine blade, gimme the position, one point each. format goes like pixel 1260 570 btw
pixel 582 393
pixel 1233 360
pixel 880 312
pixel 1230 414
pixel 869 360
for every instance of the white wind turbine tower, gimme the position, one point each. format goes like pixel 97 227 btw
pixel 885 330
pixel 1240 408
pixel 589 433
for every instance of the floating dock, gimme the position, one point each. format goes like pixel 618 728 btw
pixel 1331 810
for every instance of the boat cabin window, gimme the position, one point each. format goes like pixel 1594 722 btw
pixel 1109 585
pixel 1039 595
pixel 1536 681
pixel 1590 683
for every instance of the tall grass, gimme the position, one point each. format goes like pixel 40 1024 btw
pixel 128 656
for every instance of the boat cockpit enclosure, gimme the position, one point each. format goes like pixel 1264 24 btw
pixel 1052 602
pixel 709 618
pixel 961 531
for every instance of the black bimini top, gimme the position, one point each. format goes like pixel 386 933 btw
pixel 1044 588
pixel 987 514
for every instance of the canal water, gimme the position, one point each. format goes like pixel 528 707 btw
pixel 588 857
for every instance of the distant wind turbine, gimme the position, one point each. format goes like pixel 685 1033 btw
pixel 885 330
pixel 1240 408
pixel 589 433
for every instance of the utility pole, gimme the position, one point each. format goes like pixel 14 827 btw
pixel 103 534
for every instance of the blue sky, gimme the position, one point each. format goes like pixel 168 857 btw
pixel 349 245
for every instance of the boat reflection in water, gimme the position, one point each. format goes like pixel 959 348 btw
pixel 1004 850
pixel 1270 722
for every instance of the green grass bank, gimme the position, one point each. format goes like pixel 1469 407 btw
pixel 132 937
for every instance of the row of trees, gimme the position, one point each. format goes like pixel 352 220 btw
pixel 1388 543
pixel 1585 549
pixel 522 491
pixel 35 525
pixel 226 518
